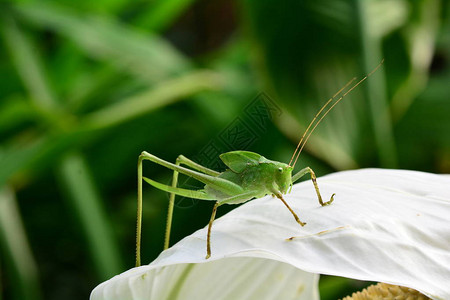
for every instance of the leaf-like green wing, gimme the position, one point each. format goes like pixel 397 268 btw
pixel 237 161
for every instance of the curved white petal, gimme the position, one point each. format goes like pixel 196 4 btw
pixel 391 226
pixel 228 278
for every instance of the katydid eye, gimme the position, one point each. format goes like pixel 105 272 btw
pixel 280 170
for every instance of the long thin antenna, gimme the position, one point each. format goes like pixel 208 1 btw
pixel 315 117
pixel 328 110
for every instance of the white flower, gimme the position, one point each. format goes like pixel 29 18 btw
pixel 391 226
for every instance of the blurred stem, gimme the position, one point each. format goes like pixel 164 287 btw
pixel 163 94
pixel 376 87
pixel 16 248
pixel 84 199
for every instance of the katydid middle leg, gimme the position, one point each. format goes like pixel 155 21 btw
pixel 243 196
pixel 303 172
pixel 181 159
pixel 208 236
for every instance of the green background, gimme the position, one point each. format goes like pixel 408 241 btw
pixel 86 86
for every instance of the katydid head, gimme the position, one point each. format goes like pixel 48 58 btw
pixel 283 174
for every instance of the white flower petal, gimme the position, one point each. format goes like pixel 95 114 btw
pixel 384 225
pixel 228 278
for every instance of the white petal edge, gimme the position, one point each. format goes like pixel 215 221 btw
pixel 227 278
pixel 390 226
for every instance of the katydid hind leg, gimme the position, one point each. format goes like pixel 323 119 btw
pixel 139 213
pixel 303 172
pixel 181 159
pixel 220 184
pixel 170 209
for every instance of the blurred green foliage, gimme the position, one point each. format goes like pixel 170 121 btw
pixel 86 87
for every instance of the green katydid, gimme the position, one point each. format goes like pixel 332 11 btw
pixel 249 175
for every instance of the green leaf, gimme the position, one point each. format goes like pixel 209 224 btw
pixel 162 13
pixel 146 56
pixel 15 112
pixel 21 154
pixel 375 87
pixel 28 63
pixel 163 94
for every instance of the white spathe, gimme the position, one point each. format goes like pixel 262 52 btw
pixel 390 226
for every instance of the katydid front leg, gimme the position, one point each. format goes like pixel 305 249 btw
pixel 279 196
pixel 306 170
